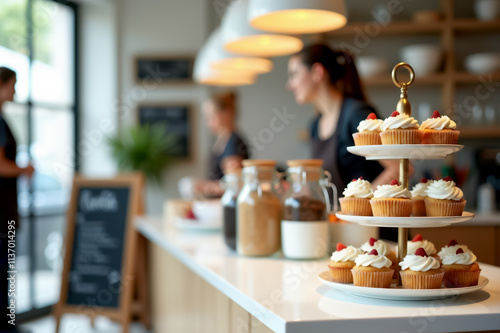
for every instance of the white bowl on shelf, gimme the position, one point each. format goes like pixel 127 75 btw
pixel 425 59
pixel 487 10
pixel 371 66
pixel 482 63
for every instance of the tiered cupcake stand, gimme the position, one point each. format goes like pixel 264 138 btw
pixel 404 153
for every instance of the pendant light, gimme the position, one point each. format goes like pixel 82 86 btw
pixel 204 73
pixel 240 38
pixel 223 60
pixel 297 16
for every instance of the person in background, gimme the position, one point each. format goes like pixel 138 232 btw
pixel 229 149
pixel 9 171
pixel 329 80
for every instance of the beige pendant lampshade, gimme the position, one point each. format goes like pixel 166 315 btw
pixel 223 60
pixel 204 73
pixel 241 38
pixel 297 16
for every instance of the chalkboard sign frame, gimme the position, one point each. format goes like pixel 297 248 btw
pixel 123 313
pixel 165 79
pixel 190 114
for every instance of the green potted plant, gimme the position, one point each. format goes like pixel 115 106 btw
pixel 143 148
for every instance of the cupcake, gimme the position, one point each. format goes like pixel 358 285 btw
pixel 444 199
pixel 417 197
pixel 342 261
pixel 356 200
pixel 451 248
pixel 383 249
pixel 400 129
pixel 418 242
pixel 372 270
pixel 419 271
pixel 391 200
pixel 439 130
pixel 460 269
pixel 368 131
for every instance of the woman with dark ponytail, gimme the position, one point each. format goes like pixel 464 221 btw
pixel 328 79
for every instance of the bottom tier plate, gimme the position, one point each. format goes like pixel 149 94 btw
pixel 400 294
pixel 407 222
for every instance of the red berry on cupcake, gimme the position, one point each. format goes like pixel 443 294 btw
pixel 372 116
pixel 452 243
pixel 372 241
pixel 436 114
pixel 424 180
pixel 340 246
pixel 395 114
pixel 417 238
pixel 459 250
pixel 421 252
pixel 395 182
pixel 373 252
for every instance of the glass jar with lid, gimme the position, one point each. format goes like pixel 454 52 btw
pixel 306 206
pixel 258 210
pixel 232 185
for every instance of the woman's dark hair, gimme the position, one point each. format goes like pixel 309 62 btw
pixel 225 100
pixel 6 74
pixel 339 65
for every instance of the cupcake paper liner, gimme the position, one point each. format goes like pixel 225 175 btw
pixel 367 138
pixel 457 279
pixel 394 207
pixel 418 208
pixel 341 275
pixel 355 206
pixel 421 281
pixel 440 137
pixel 372 279
pixel 401 137
pixel 436 207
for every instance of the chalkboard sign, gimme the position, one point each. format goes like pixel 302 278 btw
pixel 176 119
pixel 164 70
pixel 96 265
pixel 98 272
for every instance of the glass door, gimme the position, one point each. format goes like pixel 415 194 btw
pixel 38 41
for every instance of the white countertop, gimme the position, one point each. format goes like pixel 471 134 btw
pixel 287 296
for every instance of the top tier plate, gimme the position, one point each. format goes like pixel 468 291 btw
pixel 412 152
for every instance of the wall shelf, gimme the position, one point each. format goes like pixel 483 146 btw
pixel 396 28
pixel 483 132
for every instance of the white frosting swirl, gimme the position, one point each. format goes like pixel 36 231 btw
pixel 441 189
pixel 429 248
pixel 370 125
pixel 440 123
pixel 447 250
pixel 391 191
pixel 400 121
pixel 378 261
pixel 350 253
pixel 419 263
pixel 465 258
pixel 419 189
pixel 381 247
pixel 359 188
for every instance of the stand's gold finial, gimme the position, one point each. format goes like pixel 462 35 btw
pixel 403 104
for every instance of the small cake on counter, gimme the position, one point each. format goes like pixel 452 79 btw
pixel 383 249
pixel 460 269
pixel 368 131
pixel 418 196
pixel 418 242
pixel 342 261
pixel 439 130
pixel 444 198
pixel 391 200
pixel 451 248
pixel 372 270
pixel 356 200
pixel 419 271
pixel 400 129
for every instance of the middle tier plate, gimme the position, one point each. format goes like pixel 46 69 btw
pixel 412 152
pixel 406 222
